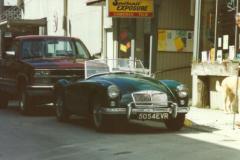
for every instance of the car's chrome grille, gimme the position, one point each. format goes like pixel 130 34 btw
pixel 142 97
pixel 150 98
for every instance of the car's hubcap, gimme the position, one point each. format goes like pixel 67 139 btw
pixel 97 116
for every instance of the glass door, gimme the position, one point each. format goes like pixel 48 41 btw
pixel 126 37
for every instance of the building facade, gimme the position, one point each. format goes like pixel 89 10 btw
pixel 162 37
pixel 216 49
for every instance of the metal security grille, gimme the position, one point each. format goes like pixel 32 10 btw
pixel 11 13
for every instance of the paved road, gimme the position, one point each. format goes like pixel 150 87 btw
pixel 41 137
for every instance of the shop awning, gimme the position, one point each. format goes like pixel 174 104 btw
pixel 95 2
pixel 23 22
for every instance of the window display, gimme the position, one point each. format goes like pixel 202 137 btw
pixel 175 40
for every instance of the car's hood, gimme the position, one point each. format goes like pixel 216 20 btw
pixel 55 63
pixel 129 83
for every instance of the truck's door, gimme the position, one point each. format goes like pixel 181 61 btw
pixel 9 68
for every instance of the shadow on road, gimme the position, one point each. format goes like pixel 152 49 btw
pixel 119 127
pixel 132 127
pixel 37 111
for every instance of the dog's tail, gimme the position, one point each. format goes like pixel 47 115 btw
pixel 218 86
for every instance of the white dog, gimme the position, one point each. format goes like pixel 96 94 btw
pixel 228 87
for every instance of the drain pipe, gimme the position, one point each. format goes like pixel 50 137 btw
pixel 65 17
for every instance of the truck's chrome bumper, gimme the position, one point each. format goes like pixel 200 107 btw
pixel 40 90
pixel 41 94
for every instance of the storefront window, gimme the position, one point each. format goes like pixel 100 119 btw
pixel 207 30
pixel 218 30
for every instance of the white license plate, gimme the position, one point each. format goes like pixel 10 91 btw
pixel 152 116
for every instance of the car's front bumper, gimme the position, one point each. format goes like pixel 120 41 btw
pixel 130 111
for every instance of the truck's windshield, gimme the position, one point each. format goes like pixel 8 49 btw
pixel 53 48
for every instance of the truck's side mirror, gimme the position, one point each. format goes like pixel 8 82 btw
pixel 96 55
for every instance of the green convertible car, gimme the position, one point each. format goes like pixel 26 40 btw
pixel 114 90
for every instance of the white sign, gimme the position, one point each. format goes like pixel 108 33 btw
pixel 220 42
pixel 231 52
pixel 225 41
pixel 219 56
pixel 204 56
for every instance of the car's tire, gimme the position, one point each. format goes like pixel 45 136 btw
pixel 3 100
pixel 62 114
pixel 175 124
pixel 25 103
pixel 101 122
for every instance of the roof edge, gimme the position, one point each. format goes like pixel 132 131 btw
pixel 94 2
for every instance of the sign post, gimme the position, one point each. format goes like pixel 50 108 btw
pixel 237 18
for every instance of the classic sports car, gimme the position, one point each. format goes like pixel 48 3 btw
pixel 120 89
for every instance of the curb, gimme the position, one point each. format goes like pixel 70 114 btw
pixel 190 124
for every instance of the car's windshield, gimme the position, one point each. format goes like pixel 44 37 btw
pixel 52 48
pixel 94 67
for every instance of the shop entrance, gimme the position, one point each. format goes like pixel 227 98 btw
pixel 134 40
pixel 126 36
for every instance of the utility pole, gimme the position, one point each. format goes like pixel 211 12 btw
pixel 1 8
pixel 154 37
pixel 1 12
pixel 65 17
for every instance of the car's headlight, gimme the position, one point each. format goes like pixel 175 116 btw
pixel 113 91
pixel 182 91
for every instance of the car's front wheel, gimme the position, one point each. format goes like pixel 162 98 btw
pixel 101 122
pixel 25 103
pixel 175 124
pixel 61 112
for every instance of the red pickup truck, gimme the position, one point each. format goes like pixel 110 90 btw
pixel 29 70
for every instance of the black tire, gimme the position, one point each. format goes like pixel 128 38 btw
pixel 25 103
pixel 62 114
pixel 102 123
pixel 3 100
pixel 175 124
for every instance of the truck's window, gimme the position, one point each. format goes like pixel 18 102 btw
pixel 50 48
pixel 59 48
pixel 32 49
pixel 82 50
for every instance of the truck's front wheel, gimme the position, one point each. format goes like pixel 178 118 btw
pixel 3 100
pixel 25 103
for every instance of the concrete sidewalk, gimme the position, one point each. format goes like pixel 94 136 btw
pixel 210 120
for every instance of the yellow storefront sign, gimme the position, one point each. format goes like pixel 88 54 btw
pixel 130 8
